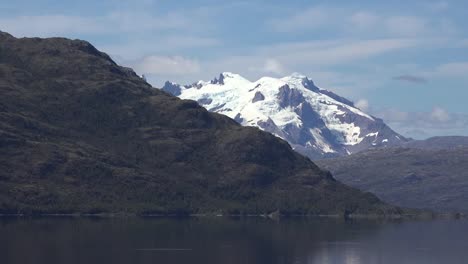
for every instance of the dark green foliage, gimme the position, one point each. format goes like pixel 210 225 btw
pixel 79 134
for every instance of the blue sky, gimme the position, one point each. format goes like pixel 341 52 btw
pixel 404 61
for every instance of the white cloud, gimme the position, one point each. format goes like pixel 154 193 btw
pixel 309 18
pixel 177 41
pixel 162 65
pixel 311 58
pixel 438 121
pixel 446 71
pixel 407 25
pixel 341 52
pixel 464 43
pixel 439 114
pixel 165 44
pixel 51 25
pixel 394 115
pixel 363 23
pixel 144 22
pixel 362 104
pixel 115 22
pixel 271 66
pixel 438 6
pixel 416 26
pixel 454 69
pixel 364 20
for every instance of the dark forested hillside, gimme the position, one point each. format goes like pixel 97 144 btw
pixel 80 134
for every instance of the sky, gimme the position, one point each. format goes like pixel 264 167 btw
pixel 403 61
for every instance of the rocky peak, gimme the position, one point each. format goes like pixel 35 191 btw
pixel 172 88
pixel 303 80
pixel 337 97
pixel 316 122
pixel 309 84
pixel 258 97
pixel 219 80
pixel 289 97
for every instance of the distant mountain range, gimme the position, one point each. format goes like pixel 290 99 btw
pixel 438 143
pixel 80 134
pixel 429 173
pixel 365 153
pixel 316 122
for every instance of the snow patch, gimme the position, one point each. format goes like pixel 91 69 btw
pixel 321 142
pixel 233 97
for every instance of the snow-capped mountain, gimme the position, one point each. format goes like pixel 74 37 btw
pixel 316 122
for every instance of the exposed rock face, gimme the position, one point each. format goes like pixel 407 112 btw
pixel 337 97
pixel 219 80
pixel 172 88
pixel 79 134
pixel 258 97
pixel 315 122
pixel 204 101
pixel 289 97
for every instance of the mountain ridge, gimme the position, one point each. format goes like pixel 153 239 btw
pixel 316 122
pixel 80 134
pixel 434 178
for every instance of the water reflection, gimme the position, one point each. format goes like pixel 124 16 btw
pixel 231 241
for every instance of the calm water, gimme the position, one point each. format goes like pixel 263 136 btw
pixel 225 241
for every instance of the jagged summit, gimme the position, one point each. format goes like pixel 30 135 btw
pixel 316 122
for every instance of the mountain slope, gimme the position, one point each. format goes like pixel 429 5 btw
pixel 79 134
pixel 316 122
pixel 438 143
pixel 436 179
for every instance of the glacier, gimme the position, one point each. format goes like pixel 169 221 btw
pixel 316 122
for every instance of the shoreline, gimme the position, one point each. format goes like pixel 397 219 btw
pixel 422 216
